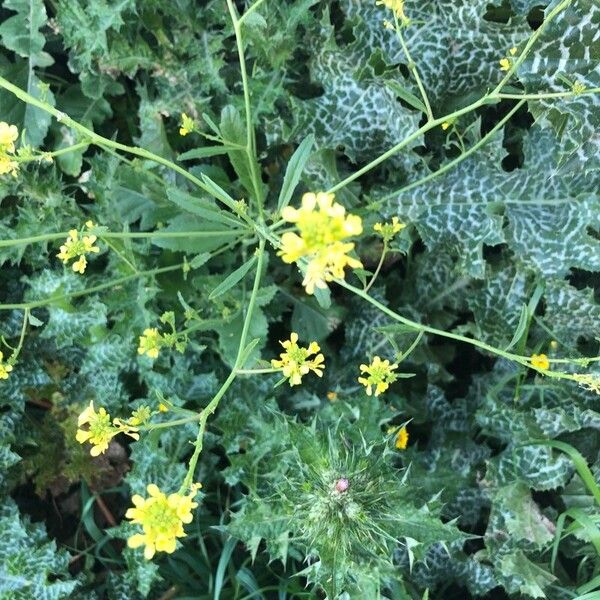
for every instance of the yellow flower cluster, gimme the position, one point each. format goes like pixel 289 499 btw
pixel 8 136
pixel 78 246
pixel 401 441
pixel 540 361
pixel 5 368
pixel 379 374
pixel 150 342
pixel 323 228
pixel 388 230
pixel 397 7
pixel 506 63
pixel 296 362
pixel 188 125
pixel 162 518
pixel 101 430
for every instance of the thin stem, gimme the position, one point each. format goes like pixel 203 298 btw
pixel 546 96
pixel 378 269
pixel 91 290
pixel 16 351
pixel 457 160
pixel 250 141
pixel 214 403
pixel 413 69
pixel 125 235
pixel 256 371
pixel 99 140
pixel 49 155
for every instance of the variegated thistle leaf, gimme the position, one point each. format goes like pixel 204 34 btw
pixel 567 57
pixel 472 204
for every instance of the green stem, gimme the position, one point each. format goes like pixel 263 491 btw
pixel 378 269
pixel 16 351
pixel 214 403
pixel 47 155
pixel 547 96
pixel 99 140
pixel 91 290
pixel 256 371
pixel 250 140
pixel 413 69
pixel 456 161
pixel 124 235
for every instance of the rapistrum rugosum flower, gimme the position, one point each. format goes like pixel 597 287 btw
pixel 162 519
pixel 296 361
pixel 379 375
pixel 323 228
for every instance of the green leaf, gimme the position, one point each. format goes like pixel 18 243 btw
pixel 202 207
pixel 233 278
pixel 205 152
pixel 294 171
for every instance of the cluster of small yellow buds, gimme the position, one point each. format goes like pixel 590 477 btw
pixel 507 62
pixel 162 519
pixel 100 430
pixel 151 341
pixel 588 381
pixel 188 125
pixel 578 88
pixel 77 246
pixel 379 375
pixel 397 7
pixel 323 227
pixel 401 436
pixel 540 361
pixel 388 230
pixel 8 136
pixel 5 367
pixel 296 361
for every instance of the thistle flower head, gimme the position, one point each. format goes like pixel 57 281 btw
pixel 162 519
pixel 379 375
pixel 296 361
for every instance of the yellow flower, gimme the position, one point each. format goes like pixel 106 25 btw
pixel 389 230
pixel 8 166
pixel 100 430
pixel 323 226
pixel 540 361
pixel 505 64
pixel 446 125
pixel 397 6
pixel 8 137
pixel 162 518
pixel 76 246
pixel 332 396
pixel 5 368
pixel 80 265
pixel 140 416
pixel 513 51
pixel 187 125
pixel 163 408
pixel 150 342
pixel 401 436
pixel 295 362
pixel 379 374
pixel 578 88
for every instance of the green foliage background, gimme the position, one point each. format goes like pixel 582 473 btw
pixel 504 247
